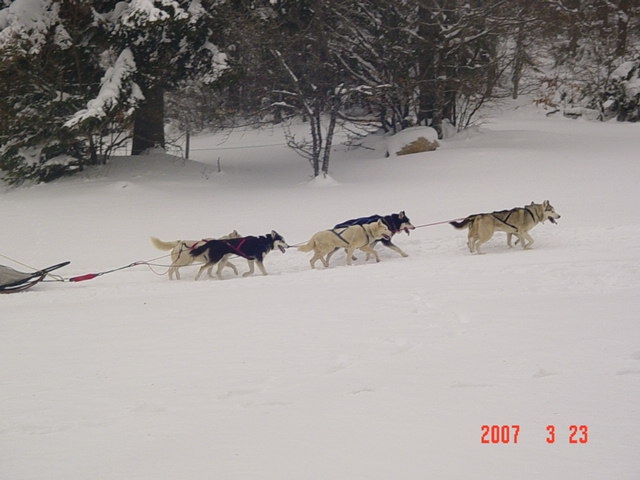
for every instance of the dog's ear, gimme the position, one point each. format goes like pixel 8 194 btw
pixel 402 214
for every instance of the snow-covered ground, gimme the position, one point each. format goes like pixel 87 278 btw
pixel 374 371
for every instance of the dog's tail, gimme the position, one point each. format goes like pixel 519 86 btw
pixel 308 247
pixel 462 224
pixel 195 252
pixel 160 245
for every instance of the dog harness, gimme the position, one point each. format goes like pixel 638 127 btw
pixel 184 246
pixel 237 248
pixel 339 234
pixel 533 217
pixel 388 221
pixel 505 219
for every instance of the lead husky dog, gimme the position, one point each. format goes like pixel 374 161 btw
pixel 254 249
pixel 180 256
pixel 517 221
pixel 350 238
pixel 395 222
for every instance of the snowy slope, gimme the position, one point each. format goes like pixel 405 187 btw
pixel 375 371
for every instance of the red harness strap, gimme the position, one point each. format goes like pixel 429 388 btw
pixel 191 247
pixel 237 249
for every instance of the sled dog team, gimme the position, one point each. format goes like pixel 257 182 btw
pixel 356 234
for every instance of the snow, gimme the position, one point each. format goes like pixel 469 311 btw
pixel 374 371
pixel 396 142
pixel 144 11
pixel 111 89
pixel 29 21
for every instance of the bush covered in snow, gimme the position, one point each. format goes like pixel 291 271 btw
pixel 599 97
pixel 621 98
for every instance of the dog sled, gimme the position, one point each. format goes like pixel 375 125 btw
pixel 12 281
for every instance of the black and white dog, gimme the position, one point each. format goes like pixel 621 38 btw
pixel 254 249
pixel 396 222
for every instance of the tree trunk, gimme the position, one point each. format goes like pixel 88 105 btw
pixel 518 61
pixel 315 123
pixel 148 126
pixel 624 14
pixel 328 143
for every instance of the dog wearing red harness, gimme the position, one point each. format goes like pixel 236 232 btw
pixel 254 249
pixel 180 254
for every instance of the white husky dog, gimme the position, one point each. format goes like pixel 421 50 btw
pixel 350 238
pixel 516 221
pixel 181 257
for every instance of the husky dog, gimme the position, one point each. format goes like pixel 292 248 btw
pixel 517 221
pixel 254 249
pixel 396 223
pixel 349 238
pixel 180 256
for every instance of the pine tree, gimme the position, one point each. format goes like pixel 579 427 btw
pixel 170 41
pixel 74 74
pixel 46 71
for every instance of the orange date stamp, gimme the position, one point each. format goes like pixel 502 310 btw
pixel 510 434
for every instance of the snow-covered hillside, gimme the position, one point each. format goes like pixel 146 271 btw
pixel 374 371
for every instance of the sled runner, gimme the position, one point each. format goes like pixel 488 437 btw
pixel 14 281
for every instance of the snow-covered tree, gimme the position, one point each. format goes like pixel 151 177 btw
pixel 73 73
pixel 47 69
pixel 169 41
pixel 315 84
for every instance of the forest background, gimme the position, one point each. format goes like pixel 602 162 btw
pixel 80 80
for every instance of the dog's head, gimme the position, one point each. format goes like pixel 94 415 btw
pixel 403 222
pixel 380 230
pixel 277 241
pixel 548 212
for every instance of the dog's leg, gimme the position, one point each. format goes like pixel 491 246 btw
pixel 330 254
pixel 509 235
pixel 221 265
pixel 476 246
pixel 471 240
pixel 202 269
pixel 397 249
pixel 526 240
pixel 350 251
pixel 174 269
pixel 225 263
pixel 251 269
pixel 394 247
pixel 474 243
pixel 210 270
pixel 261 267
pixel 318 255
pixel 370 251
pixel 480 241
